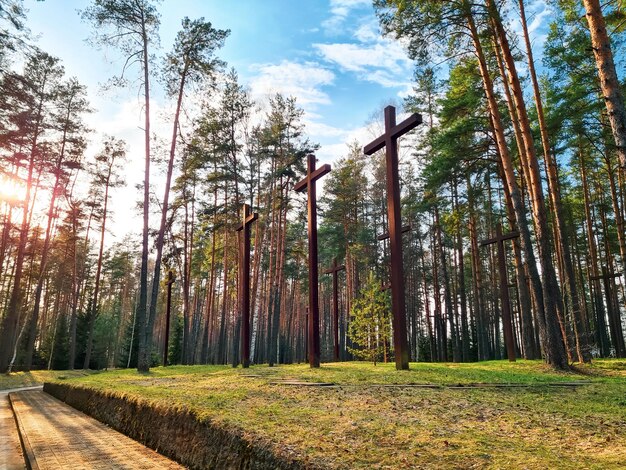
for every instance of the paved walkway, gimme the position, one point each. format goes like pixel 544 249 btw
pixel 56 436
pixel 11 457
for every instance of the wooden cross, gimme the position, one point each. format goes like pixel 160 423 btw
pixel 244 284
pixel 334 270
pixel 170 281
pixel 308 183
pixel 389 140
pixel 507 325
pixel 306 329
pixel 616 330
pixel 606 275
pixel 385 236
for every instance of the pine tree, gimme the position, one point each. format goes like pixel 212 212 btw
pixel 370 322
pixel 131 26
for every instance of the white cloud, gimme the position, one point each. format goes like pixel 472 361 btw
pixel 536 12
pixel 125 120
pixel 368 32
pixel 538 19
pixel 384 62
pixel 367 53
pixel 339 10
pixel 320 130
pixel 385 78
pixel 356 57
pixel 406 91
pixel 302 80
pixel 339 141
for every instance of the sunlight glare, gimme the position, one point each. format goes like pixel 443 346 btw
pixel 12 190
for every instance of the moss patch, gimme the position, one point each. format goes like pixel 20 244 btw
pixel 357 425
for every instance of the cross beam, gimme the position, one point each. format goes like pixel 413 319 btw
pixel 389 140
pixel 392 134
pixel 244 282
pixel 385 236
pixel 605 275
pixel 308 183
pixel 168 310
pixel 334 270
pixel 500 237
pixel 507 325
pixel 312 176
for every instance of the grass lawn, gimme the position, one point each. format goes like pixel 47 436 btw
pixel 360 424
pixel 36 377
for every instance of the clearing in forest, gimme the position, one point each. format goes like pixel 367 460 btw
pixel 375 416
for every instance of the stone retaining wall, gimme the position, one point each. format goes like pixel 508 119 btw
pixel 177 434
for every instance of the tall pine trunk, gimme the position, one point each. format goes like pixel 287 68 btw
pixel 609 82
pixel 602 339
pixel 156 277
pixel 583 349
pixel 94 304
pixel 34 319
pixel 142 317
pixel 8 330
pixel 553 346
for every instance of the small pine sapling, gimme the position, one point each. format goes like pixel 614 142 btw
pixel 370 322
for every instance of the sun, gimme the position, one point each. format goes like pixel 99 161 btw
pixel 12 190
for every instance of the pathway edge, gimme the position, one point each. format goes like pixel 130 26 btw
pixel 27 450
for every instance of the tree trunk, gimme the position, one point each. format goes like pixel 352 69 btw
pixel 440 336
pixel 94 305
pixel 465 343
pixel 619 220
pixel 612 307
pixel 34 319
pixel 210 290
pixel 553 346
pixel 479 304
pixel 583 350
pixel 609 82
pixel 9 325
pixel 142 317
pixel 156 277
pixel 600 322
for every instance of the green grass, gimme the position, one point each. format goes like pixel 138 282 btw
pixel 358 425
pixel 36 377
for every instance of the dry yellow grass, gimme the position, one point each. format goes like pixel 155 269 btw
pixel 36 377
pixel 360 424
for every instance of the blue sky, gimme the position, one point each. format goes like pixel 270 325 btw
pixel 329 54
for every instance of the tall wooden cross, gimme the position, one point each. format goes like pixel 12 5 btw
pixel 616 327
pixel 244 283
pixel 306 334
pixel 507 325
pixel 308 183
pixel 334 270
pixel 389 140
pixel 385 236
pixel 168 310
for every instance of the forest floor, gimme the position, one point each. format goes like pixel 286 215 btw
pixel 373 418
pixel 37 377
